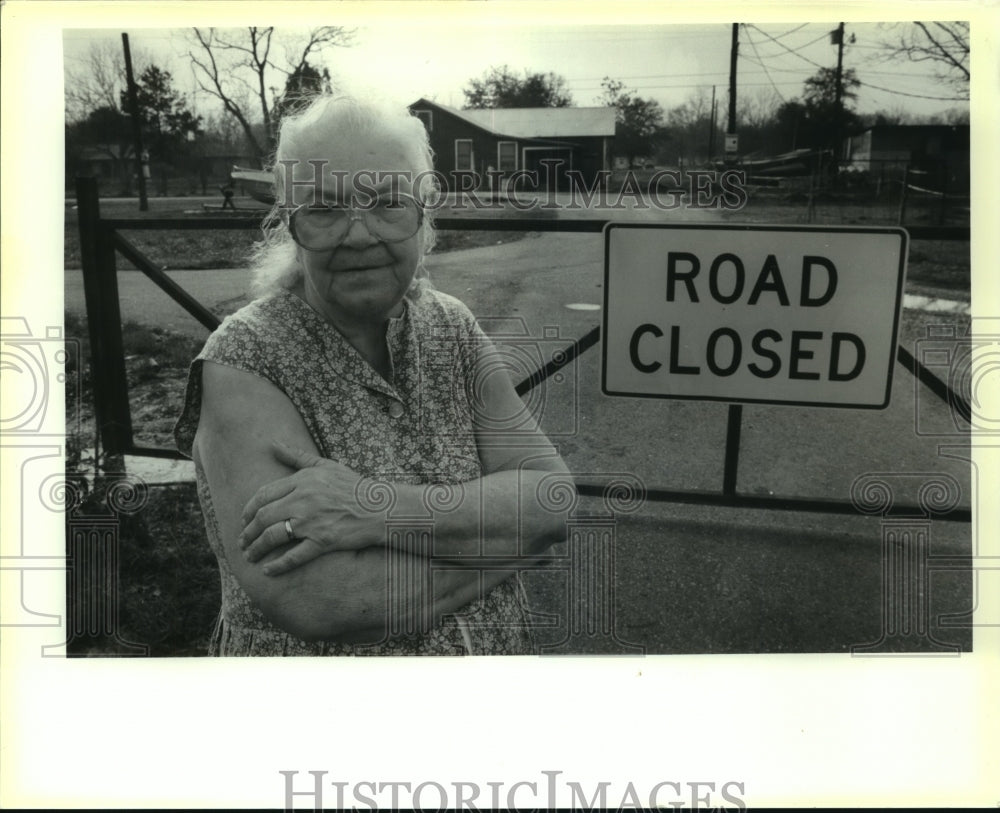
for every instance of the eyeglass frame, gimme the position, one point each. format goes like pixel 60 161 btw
pixel 354 212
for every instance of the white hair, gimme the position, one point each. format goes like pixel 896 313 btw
pixel 275 262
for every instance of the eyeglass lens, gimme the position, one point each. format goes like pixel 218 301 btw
pixel 326 226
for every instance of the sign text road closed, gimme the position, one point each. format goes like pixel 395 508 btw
pixel 771 314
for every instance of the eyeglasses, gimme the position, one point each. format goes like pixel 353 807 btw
pixel 323 226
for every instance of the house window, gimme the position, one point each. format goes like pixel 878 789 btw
pixel 427 117
pixel 507 156
pixel 463 154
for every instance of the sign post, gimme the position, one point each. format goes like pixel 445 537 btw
pixel 793 315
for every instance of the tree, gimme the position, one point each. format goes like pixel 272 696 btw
pixel 793 127
pixel 943 44
pixel 821 89
pixel 897 114
pixel 162 111
pixel 500 87
pixel 756 109
pixel 952 116
pixel 687 126
pixel 167 123
pixel 816 121
pixel 303 84
pixel 239 68
pixel 637 120
pixel 97 79
pixel 894 115
pixel 106 132
pixel 756 113
pixel 223 134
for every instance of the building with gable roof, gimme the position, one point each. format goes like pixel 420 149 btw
pixel 936 155
pixel 548 141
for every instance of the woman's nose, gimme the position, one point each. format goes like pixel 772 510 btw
pixel 357 232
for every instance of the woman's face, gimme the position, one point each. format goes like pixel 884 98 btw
pixel 362 280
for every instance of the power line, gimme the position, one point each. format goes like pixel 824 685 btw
pixel 651 76
pixel 863 84
pixel 646 35
pixel 915 95
pixel 797 28
pixel 760 63
pixel 646 88
pixel 790 50
pixel 769 79
pixel 822 36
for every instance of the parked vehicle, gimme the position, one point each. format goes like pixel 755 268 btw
pixel 257 183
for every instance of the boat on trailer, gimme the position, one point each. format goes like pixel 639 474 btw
pixel 257 183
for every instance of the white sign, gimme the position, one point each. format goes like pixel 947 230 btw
pixel 732 142
pixel 769 314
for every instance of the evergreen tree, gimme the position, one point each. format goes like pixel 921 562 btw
pixel 304 83
pixel 500 87
pixel 637 121
pixel 168 126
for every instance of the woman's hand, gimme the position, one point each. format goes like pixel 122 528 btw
pixel 319 501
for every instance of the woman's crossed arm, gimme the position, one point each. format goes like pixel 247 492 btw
pixel 263 467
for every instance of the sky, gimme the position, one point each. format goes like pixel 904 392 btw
pixel 668 63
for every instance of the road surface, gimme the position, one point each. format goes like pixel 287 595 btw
pixel 685 578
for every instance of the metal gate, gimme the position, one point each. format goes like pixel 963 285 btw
pixel 101 238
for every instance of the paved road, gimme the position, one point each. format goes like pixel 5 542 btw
pixel 686 578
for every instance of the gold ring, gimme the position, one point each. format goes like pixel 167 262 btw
pixel 288 530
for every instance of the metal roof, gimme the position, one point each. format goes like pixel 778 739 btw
pixel 540 122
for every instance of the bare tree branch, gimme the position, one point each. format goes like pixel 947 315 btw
pixel 943 53
pixel 757 108
pixel 944 43
pixel 227 59
pixel 96 79
pixel 209 67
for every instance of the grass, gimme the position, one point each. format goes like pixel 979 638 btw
pixel 231 248
pixel 167 586
pixel 937 266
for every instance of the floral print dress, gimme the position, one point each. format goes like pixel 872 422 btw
pixel 417 429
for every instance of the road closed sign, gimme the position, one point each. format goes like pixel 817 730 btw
pixel 766 314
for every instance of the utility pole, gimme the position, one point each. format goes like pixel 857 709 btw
pixel 711 128
pixel 838 38
pixel 731 142
pixel 133 104
pixel 838 108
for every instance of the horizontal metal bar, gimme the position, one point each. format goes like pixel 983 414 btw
pixel 489 562
pixel 938 232
pixel 693 497
pixel 252 220
pixel 165 283
pixel 519 224
pixel 246 222
pixel 154 451
pixel 440 223
pixel 963 563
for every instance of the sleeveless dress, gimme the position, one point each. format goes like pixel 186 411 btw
pixel 416 430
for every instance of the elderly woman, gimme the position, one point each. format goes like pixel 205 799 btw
pixel 370 483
